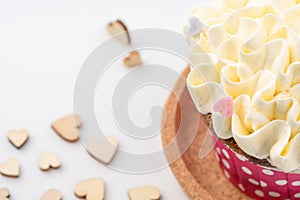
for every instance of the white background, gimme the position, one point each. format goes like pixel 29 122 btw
pixel 42 47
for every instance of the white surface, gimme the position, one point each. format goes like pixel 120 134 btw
pixel 42 47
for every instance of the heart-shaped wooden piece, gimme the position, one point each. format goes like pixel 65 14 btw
pixel 224 106
pixel 91 189
pixel 49 160
pixel 67 127
pixel 4 194
pixel 52 194
pixel 11 168
pixel 134 59
pixel 18 138
pixel 119 30
pixel 144 193
pixel 103 150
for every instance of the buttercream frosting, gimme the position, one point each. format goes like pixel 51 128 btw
pixel 250 50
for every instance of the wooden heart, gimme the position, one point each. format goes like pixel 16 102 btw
pixel 134 59
pixel 49 160
pixel 52 194
pixel 67 127
pixel 103 150
pixel 18 138
pixel 11 168
pixel 91 189
pixel 119 30
pixel 4 194
pixel 144 193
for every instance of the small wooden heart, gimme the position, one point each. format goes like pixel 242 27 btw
pixel 52 194
pixel 144 193
pixel 119 30
pixel 133 60
pixel 103 150
pixel 11 168
pixel 67 127
pixel 4 194
pixel 91 189
pixel 18 138
pixel 49 160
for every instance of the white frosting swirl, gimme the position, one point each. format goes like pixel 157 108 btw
pixel 250 50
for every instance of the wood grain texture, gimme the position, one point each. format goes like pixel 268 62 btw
pixel 200 179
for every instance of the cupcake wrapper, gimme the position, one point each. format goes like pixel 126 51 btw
pixel 257 181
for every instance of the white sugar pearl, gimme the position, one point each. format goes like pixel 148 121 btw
pixel 195 26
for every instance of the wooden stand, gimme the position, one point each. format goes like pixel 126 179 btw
pixel 201 179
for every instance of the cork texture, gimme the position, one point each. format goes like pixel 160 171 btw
pixel 201 179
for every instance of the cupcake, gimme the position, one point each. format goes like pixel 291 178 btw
pixel 245 72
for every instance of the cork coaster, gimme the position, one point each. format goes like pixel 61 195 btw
pixel 200 179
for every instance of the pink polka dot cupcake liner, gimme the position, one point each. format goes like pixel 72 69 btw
pixel 256 181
